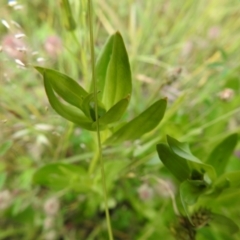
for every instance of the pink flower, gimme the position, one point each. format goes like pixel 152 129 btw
pixel 53 46
pixel 51 206
pixel 214 32
pixel 14 47
pixel 145 192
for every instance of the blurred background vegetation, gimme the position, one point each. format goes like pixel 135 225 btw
pixel 187 51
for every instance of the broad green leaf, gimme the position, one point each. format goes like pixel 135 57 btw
pixel 175 164
pixel 228 180
pixel 224 223
pixel 102 65
pixel 64 86
pixel 67 16
pixel 183 150
pixel 5 147
pixel 222 152
pixel 113 72
pixel 67 111
pixel 142 124
pixel 59 176
pixel 114 113
pixel 190 191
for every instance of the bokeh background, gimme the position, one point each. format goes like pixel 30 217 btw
pixel 187 51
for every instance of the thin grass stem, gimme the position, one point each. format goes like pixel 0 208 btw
pixel 109 227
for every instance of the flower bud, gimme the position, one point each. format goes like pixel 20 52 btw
pixel 145 192
pixel 51 206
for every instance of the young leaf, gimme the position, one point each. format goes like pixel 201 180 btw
pixel 142 124
pixel 64 86
pixel 114 113
pixel 113 72
pixel 183 150
pixel 222 152
pixel 118 78
pixel 175 164
pixel 68 112
pixel 102 65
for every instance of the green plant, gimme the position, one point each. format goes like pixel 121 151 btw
pixel 99 109
pixel 183 51
pixel 201 184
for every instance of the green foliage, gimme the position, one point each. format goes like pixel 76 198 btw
pixel 59 176
pixel 142 124
pixel 199 180
pixel 222 152
pixel 52 152
pixel 113 72
pixel 177 165
pixel 68 112
pixel 197 167
pixel 114 76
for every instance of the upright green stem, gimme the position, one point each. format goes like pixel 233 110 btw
pixel 97 122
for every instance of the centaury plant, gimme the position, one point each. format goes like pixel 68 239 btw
pixel 98 109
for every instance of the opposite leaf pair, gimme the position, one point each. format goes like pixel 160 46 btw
pixel 114 90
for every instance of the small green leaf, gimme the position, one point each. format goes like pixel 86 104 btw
pixel 224 223
pixel 113 72
pixel 102 65
pixel 114 113
pixel 64 86
pixel 175 164
pixel 67 111
pixel 142 124
pixel 118 78
pixel 67 16
pixel 222 152
pixel 183 150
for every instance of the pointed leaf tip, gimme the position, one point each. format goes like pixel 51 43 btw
pixel 142 124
